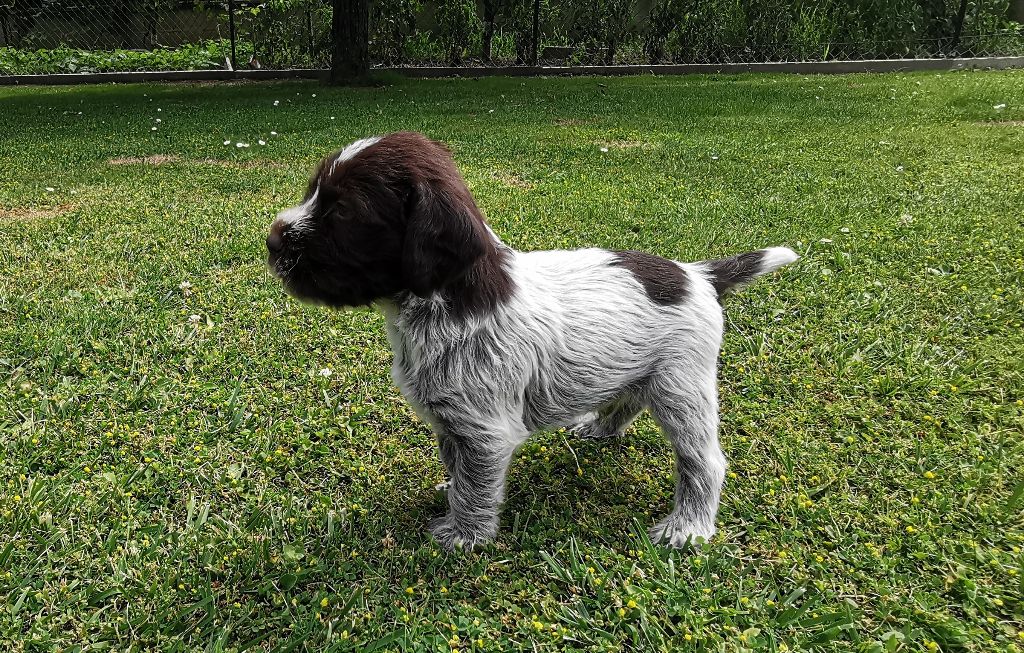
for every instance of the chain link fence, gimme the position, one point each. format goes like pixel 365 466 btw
pixel 59 36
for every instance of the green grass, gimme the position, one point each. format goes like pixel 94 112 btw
pixel 182 483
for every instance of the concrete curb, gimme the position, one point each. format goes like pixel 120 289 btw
pixel 798 67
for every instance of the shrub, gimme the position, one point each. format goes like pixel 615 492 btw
pixel 200 56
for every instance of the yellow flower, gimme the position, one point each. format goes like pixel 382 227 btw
pixel 769 603
pixel 409 591
pixel 622 612
pixel 324 602
pixel 444 590
pixel 998 602
pixel 929 475
pixel 631 604
pixel 688 637
pixel 931 646
pixel 911 529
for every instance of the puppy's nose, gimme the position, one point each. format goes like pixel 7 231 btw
pixel 275 240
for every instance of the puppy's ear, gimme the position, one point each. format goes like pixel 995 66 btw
pixel 444 237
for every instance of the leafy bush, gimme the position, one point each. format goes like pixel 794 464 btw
pixel 200 56
pixel 457 24
pixel 665 16
pixel 292 33
pixel 392 27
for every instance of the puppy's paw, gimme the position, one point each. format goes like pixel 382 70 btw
pixel 590 428
pixel 677 531
pixel 443 487
pixel 453 536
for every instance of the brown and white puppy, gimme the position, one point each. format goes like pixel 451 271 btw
pixel 491 344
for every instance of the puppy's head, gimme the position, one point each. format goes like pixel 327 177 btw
pixel 382 216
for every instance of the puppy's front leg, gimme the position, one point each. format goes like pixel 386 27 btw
pixel 477 462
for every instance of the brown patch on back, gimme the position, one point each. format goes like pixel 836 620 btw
pixel 33 212
pixel 151 160
pixel 663 280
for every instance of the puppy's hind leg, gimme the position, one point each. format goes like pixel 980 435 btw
pixel 611 421
pixel 685 405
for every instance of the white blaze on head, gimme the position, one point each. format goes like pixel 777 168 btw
pixel 295 216
pixel 353 149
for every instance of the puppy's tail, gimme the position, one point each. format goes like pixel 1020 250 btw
pixel 728 273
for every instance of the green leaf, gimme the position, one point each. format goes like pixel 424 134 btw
pixel 293 552
pixel 288 581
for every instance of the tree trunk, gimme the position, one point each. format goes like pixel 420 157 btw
pixel 350 29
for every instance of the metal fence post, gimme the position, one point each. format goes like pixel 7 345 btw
pixel 536 32
pixel 958 29
pixel 309 31
pixel 231 31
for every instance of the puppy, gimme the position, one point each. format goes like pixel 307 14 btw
pixel 491 344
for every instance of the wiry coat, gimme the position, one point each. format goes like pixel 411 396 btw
pixel 491 344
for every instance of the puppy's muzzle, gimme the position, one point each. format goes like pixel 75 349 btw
pixel 275 239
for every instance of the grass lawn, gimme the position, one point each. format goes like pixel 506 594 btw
pixel 190 460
